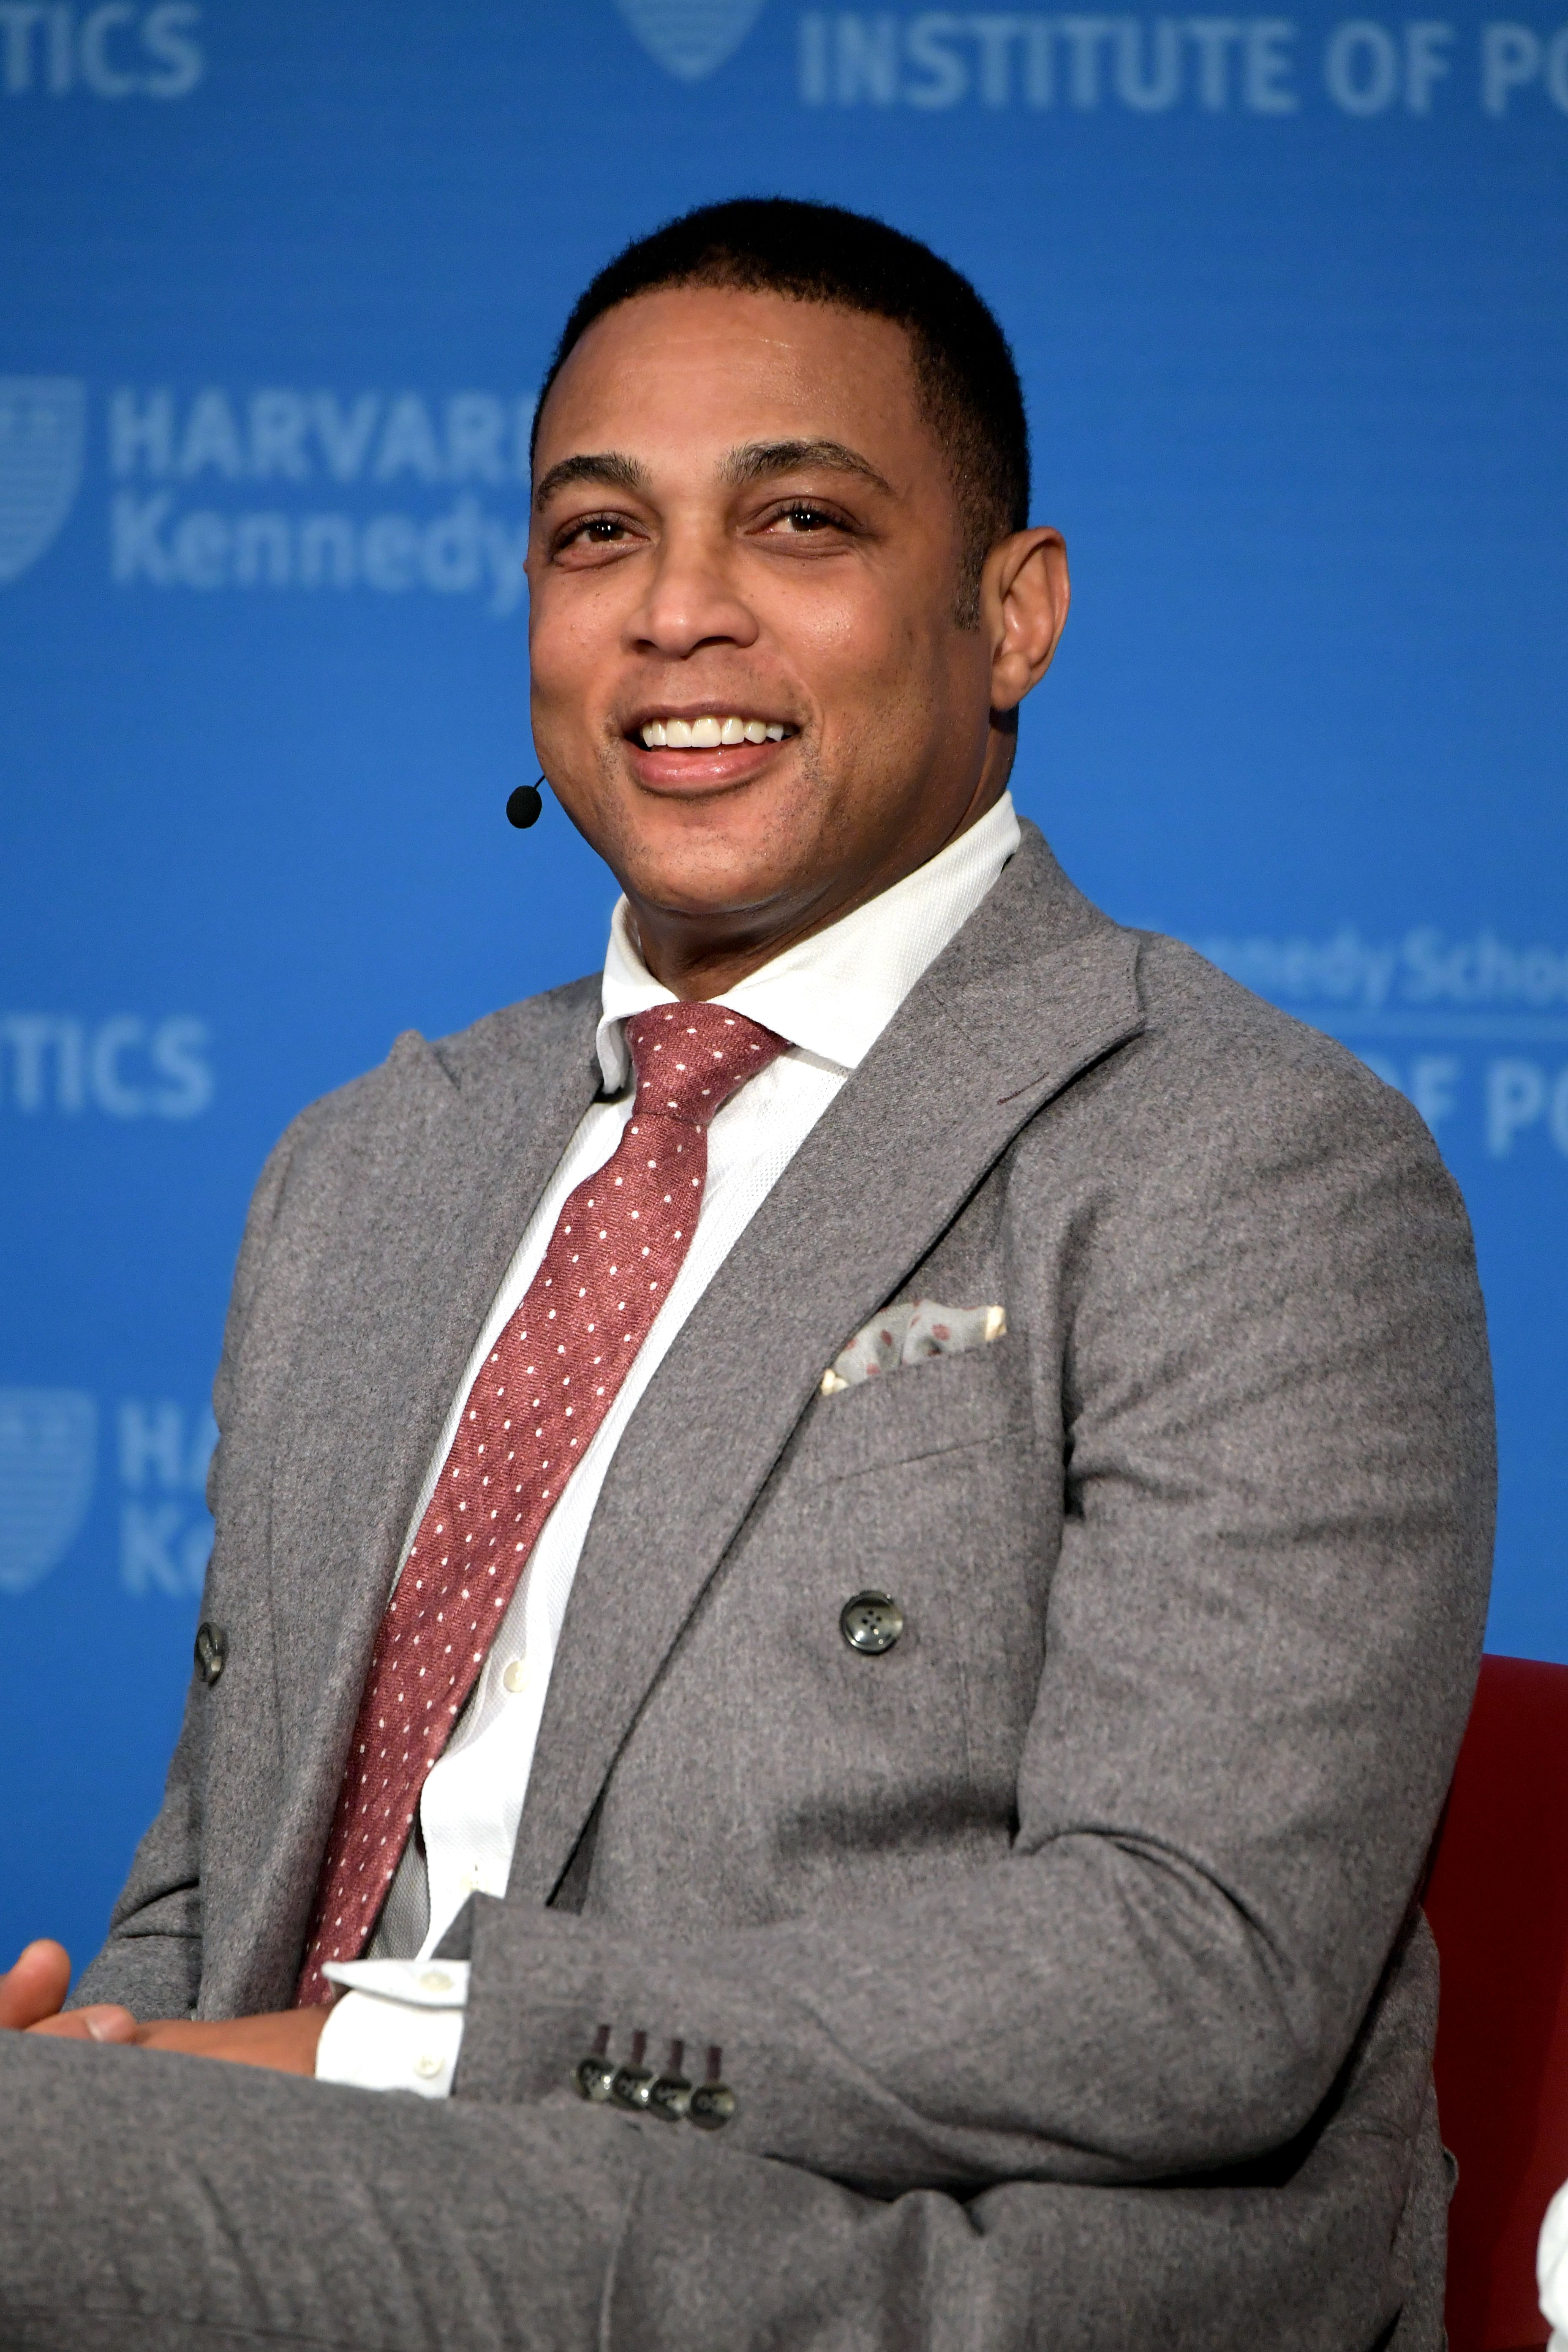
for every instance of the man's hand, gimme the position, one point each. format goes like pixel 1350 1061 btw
pixel 284 2039
pixel 31 1991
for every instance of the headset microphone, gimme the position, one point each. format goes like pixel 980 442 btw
pixel 524 805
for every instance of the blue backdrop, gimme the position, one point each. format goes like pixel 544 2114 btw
pixel 1289 297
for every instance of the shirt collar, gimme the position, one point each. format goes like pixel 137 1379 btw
pixel 832 995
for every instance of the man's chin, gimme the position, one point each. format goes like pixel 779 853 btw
pixel 732 906
pixel 722 862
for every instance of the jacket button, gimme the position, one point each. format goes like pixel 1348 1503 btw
pixel 594 2077
pixel 710 2106
pixel 670 2096
pixel 595 2074
pixel 212 1650
pixel 712 2103
pixel 871 1623
pixel 629 2085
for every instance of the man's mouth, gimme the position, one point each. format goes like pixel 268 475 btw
pixel 713 731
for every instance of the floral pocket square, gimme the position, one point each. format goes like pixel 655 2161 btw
pixel 906 1333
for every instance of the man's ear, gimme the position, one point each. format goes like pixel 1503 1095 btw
pixel 1024 598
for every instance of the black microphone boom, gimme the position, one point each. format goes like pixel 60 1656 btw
pixel 523 805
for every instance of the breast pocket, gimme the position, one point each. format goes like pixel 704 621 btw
pixel 933 1407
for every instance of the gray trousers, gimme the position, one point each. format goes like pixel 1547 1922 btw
pixel 158 2202
pixel 155 2203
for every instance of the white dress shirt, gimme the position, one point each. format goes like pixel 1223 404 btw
pixel 1552 2270
pixel 400 2025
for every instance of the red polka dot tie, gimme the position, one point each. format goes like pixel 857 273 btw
pixel 531 1414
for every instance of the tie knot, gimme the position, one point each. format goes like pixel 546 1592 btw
pixel 691 1058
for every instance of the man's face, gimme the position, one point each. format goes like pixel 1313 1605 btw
pixel 744 527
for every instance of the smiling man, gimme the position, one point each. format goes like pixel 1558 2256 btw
pixel 849 1557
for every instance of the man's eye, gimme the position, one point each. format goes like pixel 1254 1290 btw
pixel 807 518
pixel 594 530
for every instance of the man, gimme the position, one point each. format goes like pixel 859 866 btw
pixel 866 1542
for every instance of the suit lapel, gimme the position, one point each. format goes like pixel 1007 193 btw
pixel 1036 987
pixel 470 1135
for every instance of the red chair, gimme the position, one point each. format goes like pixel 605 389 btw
pixel 1497 1902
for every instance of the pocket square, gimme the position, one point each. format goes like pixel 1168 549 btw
pixel 906 1334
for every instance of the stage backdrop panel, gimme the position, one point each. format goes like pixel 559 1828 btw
pixel 1287 293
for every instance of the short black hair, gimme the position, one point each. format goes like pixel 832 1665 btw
pixel 963 366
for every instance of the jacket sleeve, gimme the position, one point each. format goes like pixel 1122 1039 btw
pixel 152 1961
pixel 1262 1641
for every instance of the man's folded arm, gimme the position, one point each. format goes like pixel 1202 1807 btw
pixel 1260 1647
pixel 152 1961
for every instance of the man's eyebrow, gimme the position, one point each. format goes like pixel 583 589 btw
pixel 756 461
pixel 606 465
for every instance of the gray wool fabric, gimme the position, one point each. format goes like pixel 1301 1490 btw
pixel 1064 1959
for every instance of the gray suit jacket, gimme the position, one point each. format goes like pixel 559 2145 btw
pixel 1075 1934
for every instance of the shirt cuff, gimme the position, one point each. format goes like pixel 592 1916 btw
pixel 1551 2266
pixel 398 2027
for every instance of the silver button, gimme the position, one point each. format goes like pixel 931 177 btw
pixel 513 1676
pixel 427 2067
pixel 434 1981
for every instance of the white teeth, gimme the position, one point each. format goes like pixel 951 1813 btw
pixel 707 733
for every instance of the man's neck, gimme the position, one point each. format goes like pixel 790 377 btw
pixel 702 956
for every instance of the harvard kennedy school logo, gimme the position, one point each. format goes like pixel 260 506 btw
pixel 689 37
pixel 49 1466
pixel 43 422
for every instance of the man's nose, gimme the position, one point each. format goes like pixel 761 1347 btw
pixel 692 600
